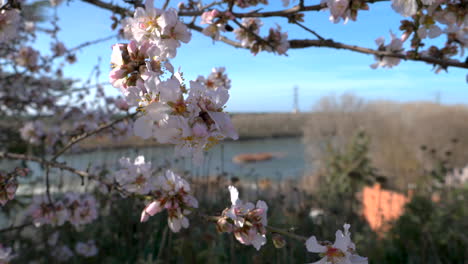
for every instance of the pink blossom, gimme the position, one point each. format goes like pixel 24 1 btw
pixel 9 24
pixel 343 251
pixel 246 220
pixel 174 196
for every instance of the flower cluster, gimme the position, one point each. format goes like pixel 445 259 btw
pixel 342 251
pixel 344 9
pixel 395 46
pixel 33 132
pixel 174 196
pixel 9 184
pixel 161 28
pixel 191 119
pixel 217 79
pixel 78 209
pixel 249 3
pixel 9 24
pixel 86 249
pixel 5 254
pixel 246 220
pixel 247 34
pixel 217 23
pixel 135 177
pixel 244 33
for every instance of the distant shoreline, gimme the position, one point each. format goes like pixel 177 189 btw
pixel 249 127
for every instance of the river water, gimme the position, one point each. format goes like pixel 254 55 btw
pixel 289 163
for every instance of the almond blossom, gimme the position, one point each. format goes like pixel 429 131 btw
pixel 33 132
pixel 133 63
pixel 28 58
pixel 78 209
pixel 405 7
pixel 174 196
pixel 342 251
pixel 395 46
pixel 217 79
pixel 8 186
pixel 5 254
pixel 62 253
pixel 9 24
pixel 86 249
pixel 278 41
pixel 135 177
pixel 159 27
pixel 43 212
pixel 246 220
pixel 244 34
pixel 193 124
pixel 249 3
pixel 82 208
pixel 428 28
pixel 339 9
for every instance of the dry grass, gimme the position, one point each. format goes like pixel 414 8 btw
pixel 406 139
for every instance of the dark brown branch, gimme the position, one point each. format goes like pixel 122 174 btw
pixel 223 39
pixel 285 233
pixel 111 7
pixel 295 44
pixel 280 13
pixel 13 228
pixel 305 43
pixel 309 30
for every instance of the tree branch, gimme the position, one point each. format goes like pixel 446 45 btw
pixel 111 7
pixel 14 156
pixel 13 228
pixel 305 43
pixel 280 13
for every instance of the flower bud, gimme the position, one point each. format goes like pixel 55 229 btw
pixel 223 226
pixel 278 240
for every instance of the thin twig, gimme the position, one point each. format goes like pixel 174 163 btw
pixel 92 42
pixel 286 233
pixel 309 30
pixel 88 134
pixel 14 156
pixel 163 242
pixel 13 228
pixel 166 4
pixel 48 184
pixel 299 44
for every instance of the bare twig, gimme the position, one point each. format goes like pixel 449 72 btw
pixel 299 44
pixel 162 245
pixel 295 44
pixel 14 156
pixel 111 7
pixel 222 39
pixel 92 42
pixel 88 134
pixel 286 233
pixel 280 13
pixel 48 184
pixel 13 228
pixel 309 30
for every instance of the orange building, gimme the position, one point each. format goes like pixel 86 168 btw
pixel 380 207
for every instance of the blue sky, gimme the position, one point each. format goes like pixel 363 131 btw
pixel 265 82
